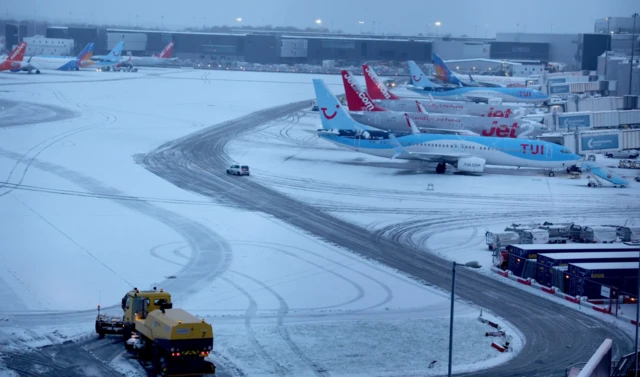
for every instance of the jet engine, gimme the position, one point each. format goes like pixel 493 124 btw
pixel 471 165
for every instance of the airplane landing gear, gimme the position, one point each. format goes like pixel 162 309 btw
pixel 441 168
pixel 551 173
pixel 37 71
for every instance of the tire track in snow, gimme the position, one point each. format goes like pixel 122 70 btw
pixel 250 312
pixel 44 145
pixel 211 255
pixel 281 248
pixel 283 310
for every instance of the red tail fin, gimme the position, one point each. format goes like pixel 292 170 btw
pixel 166 52
pixel 376 89
pixel 357 99
pixel 18 53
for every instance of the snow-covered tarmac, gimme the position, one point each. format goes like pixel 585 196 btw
pixel 86 222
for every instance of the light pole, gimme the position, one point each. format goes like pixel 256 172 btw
pixel 318 22
pixel 239 19
pixel 551 28
pixel 475 31
pixel 606 53
pixel 638 296
pixel 453 294
pixel 633 43
pixel 486 31
pixel 438 27
pixel 361 23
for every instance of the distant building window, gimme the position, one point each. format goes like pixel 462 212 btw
pixel 218 49
pixel 524 49
pixel 346 45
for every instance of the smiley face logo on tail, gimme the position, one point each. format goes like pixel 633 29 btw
pixel 417 79
pixel 329 117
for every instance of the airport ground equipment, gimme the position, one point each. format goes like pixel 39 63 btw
pixel 598 174
pixel 175 342
pixel 628 164
pixel 496 241
pixel 522 259
pixel 546 262
pixel 587 279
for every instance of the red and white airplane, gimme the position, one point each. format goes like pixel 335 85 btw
pixel 387 99
pixel 13 62
pixel 163 57
pixel 364 110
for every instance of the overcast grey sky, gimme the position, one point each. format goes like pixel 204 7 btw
pixel 386 16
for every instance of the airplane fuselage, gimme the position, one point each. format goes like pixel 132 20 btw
pixel 58 63
pixel 513 95
pixel 498 127
pixel 495 151
pixel 454 107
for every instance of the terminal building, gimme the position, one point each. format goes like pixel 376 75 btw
pixel 575 51
pixel 572 51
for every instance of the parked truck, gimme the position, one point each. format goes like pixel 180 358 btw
pixel 630 233
pixel 496 241
pixel 175 342
pixel 599 234
pixel 532 236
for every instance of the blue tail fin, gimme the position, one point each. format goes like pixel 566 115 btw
pixel 116 53
pixel 443 72
pixel 332 114
pixel 418 78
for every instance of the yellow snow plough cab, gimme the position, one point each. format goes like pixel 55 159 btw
pixel 174 341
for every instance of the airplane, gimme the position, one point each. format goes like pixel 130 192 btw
pixel 420 80
pixel 111 61
pixel 163 57
pixel 446 75
pixel 114 55
pixel 60 63
pixel 468 154
pixel 13 61
pixel 478 94
pixel 365 111
pixel 387 99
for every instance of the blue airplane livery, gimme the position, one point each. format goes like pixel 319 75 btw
pixel 468 154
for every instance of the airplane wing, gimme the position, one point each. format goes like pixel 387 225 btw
pixel 441 131
pixel 477 98
pixel 450 158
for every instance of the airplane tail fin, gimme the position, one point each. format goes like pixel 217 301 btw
pixel 400 151
pixel 418 78
pixel 18 53
pixel 443 72
pixel 421 108
pixel 414 129
pixel 86 52
pixel 375 88
pixel 116 53
pixel 357 99
pixel 332 114
pixel 166 51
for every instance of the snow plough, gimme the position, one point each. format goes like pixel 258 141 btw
pixel 173 341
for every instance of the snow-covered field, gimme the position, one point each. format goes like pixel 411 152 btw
pixel 84 223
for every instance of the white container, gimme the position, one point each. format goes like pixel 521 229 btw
pixel 605 119
pixel 629 117
pixel 630 139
